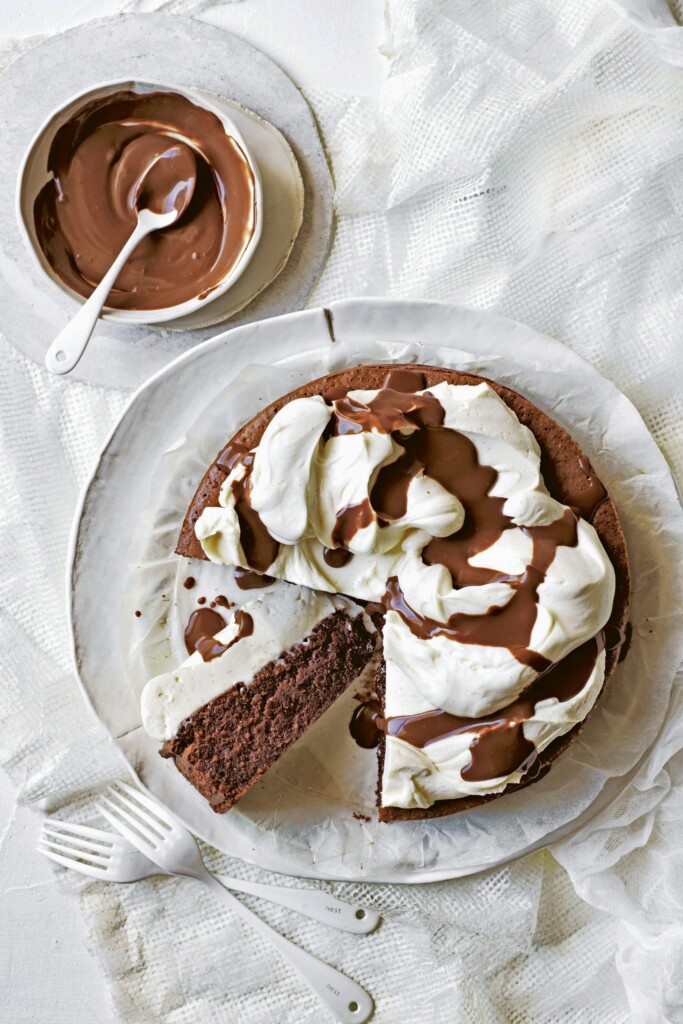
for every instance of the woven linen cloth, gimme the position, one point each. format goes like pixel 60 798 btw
pixel 522 156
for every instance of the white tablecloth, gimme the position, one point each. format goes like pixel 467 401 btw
pixel 525 157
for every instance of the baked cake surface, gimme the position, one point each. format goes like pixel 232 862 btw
pixel 477 698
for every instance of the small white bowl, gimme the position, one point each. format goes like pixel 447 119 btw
pixel 33 175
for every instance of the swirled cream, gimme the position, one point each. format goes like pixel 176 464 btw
pixel 432 502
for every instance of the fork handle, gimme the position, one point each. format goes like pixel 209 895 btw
pixel 313 903
pixel 349 1003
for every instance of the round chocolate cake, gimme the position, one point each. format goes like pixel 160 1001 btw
pixel 471 529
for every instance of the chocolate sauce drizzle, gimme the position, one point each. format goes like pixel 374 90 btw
pixel 500 747
pixel 416 423
pixel 260 549
pixel 200 634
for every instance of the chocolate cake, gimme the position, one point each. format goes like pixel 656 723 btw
pixel 249 690
pixel 229 743
pixel 438 481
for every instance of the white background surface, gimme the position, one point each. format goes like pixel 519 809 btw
pixel 46 970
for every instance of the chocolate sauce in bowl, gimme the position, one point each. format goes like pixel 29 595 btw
pixel 87 210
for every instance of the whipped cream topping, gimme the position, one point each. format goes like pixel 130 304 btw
pixel 433 502
pixel 277 619
pixel 415 776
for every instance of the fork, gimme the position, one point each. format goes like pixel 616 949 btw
pixel 157 834
pixel 111 858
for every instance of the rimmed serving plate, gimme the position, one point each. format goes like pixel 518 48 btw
pixel 313 814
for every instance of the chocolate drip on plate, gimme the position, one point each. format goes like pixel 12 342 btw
pixel 210 648
pixel 364 724
pixel 204 622
pixel 500 747
pixel 189 583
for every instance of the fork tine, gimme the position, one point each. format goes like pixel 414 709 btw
pixel 109 838
pixel 164 816
pixel 74 853
pixel 146 818
pixel 77 842
pixel 67 862
pixel 117 817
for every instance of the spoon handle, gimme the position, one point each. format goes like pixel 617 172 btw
pixel 71 342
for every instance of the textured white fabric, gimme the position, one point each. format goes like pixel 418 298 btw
pixel 524 156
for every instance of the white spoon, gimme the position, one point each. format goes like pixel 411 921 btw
pixel 172 200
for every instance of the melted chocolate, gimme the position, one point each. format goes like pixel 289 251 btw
pixel 189 583
pixel 98 161
pixel 402 379
pixel 500 747
pixel 588 498
pixel 203 623
pixel 337 558
pixel 210 648
pixel 349 521
pixel 260 549
pixel 508 625
pixel 364 724
pixel 222 601
pixel 247 579
pixel 416 423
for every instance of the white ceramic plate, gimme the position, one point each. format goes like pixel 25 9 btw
pixel 307 816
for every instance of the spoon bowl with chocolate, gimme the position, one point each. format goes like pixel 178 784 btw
pixel 161 194
pixel 83 182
